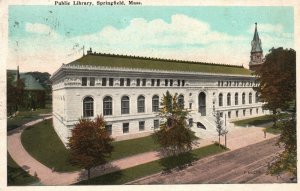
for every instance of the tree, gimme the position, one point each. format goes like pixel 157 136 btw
pixel 219 127
pixel 277 89
pixel 90 144
pixel 15 93
pixel 174 135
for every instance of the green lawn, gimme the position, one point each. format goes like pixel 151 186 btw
pixel 134 146
pixel 16 176
pixel 130 174
pixel 254 121
pixel 42 142
pixel 272 130
pixel 25 117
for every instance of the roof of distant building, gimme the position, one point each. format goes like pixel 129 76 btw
pixel 124 61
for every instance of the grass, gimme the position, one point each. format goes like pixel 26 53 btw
pixel 272 130
pixel 165 164
pixel 25 117
pixel 134 146
pixel 16 176
pixel 254 121
pixel 42 142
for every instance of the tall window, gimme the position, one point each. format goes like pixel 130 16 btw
pixel 243 98
pixel 220 99
pixel 256 97
pixel 171 82
pixel 107 105
pixel 178 82
pixel 183 82
pixel 144 82
pixel 141 125
pixel 125 127
pixel 84 81
pixel 125 105
pixel 121 81
pixel 103 81
pixel 128 82
pixel 152 82
pixel 141 104
pixel 108 129
pixel 92 81
pixel 166 82
pixel 228 99
pixel 250 98
pixel 138 82
pixel 155 103
pixel 88 107
pixel 236 98
pixel 158 82
pixel 181 101
pixel 111 81
pixel 156 123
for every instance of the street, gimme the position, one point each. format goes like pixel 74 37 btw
pixel 244 165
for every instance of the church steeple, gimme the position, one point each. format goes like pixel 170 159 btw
pixel 256 54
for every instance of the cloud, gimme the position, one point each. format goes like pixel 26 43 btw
pixel 37 28
pixel 182 30
pixel 183 38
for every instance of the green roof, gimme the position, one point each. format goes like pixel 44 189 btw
pixel 109 60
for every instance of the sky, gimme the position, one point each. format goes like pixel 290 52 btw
pixel 41 37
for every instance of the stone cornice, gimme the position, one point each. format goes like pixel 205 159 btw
pixel 87 69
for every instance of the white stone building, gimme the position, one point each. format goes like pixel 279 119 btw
pixel 127 90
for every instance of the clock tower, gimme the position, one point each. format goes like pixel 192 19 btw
pixel 256 54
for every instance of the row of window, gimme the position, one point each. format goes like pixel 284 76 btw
pixel 127 82
pixel 88 105
pixel 236 83
pixel 237 113
pixel 126 128
pixel 236 98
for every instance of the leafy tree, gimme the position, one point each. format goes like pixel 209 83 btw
pixel 90 144
pixel 277 78
pixel 174 135
pixel 15 93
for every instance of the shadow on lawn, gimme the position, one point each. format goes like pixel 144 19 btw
pixel 101 175
pixel 178 162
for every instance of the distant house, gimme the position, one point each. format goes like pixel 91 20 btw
pixel 34 92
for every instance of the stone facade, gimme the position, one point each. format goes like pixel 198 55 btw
pixel 69 92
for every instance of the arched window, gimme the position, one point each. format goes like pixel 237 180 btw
pixel 256 97
pixel 250 98
pixel 220 99
pixel 155 103
pixel 236 99
pixel 125 105
pixel 141 104
pixel 243 98
pixel 181 101
pixel 228 99
pixel 107 105
pixel 88 107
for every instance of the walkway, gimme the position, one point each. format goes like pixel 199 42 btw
pixel 237 138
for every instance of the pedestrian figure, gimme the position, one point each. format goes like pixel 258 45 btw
pixel 265 134
pixel 53 169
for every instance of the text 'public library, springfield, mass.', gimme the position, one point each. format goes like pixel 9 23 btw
pixel 127 91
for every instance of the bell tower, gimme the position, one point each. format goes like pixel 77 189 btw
pixel 256 54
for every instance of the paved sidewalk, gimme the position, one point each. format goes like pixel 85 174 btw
pixel 237 138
